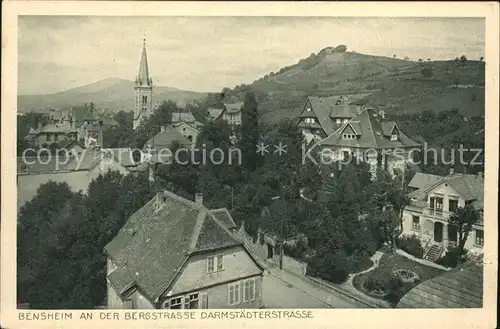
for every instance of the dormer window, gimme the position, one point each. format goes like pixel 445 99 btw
pixel 394 137
pixel 310 120
pixel 308 109
pixel 349 136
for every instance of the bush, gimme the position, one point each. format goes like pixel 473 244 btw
pixel 452 258
pixel 297 250
pixel 395 289
pixel 410 244
pixel 374 285
pixel 331 267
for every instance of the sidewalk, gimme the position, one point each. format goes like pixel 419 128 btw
pixel 335 296
pixel 332 298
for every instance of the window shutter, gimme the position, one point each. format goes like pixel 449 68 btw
pixel 242 288
pixel 203 300
pixel 258 282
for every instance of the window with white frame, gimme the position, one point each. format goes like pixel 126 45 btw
pixel 308 109
pixel 349 136
pixel 339 121
pixel 415 224
pixel 215 263
pixel 394 137
pixel 479 237
pixel 249 290
pixel 191 301
pixel 174 303
pixel 234 293
pixel 219 262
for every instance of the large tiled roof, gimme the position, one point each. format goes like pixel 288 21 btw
pixel 123 156
pixel 224 217
pixel 214 113
pixel 183 117
pixel 85 113
pixel 327 109
pixel 470 187
pixel 233 107
pixel 156 241
pixel 461 287
pixel 58 163
pixel 369 127
pixel 422 180
pixel 165 139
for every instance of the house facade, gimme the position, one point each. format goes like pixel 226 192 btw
pixel 427 215
pixel 371 138
pixel 232 113
pixel 174 253
pixel 83 124
pixel 186 124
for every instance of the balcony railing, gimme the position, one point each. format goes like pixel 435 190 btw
pixel 438 214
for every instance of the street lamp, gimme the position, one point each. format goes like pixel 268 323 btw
pixel 282 229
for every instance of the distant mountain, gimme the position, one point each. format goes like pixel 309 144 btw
pixel 397 85
pixel 114 94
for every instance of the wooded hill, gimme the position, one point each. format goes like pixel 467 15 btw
pixel 399 86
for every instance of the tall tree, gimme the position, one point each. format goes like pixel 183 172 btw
pixel 249 132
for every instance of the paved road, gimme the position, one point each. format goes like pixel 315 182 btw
pixel 279 294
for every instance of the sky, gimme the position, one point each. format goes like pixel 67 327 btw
pixel 206 54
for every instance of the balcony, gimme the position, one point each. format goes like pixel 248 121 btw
pixel 437 214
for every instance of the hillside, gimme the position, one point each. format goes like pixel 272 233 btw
pixel 397 85
pixel 112 93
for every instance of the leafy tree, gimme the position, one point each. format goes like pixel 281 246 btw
pixel 249 132
pixel 463 58
pixel 341 49
pixel 463 219
pixel 62 235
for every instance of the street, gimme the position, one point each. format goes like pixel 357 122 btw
pixel 279 294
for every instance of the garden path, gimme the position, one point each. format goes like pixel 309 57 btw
pixel 348 285
pixel 421 261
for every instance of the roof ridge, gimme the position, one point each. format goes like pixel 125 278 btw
pixel 371 125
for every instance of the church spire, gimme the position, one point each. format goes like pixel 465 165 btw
pixel 143 77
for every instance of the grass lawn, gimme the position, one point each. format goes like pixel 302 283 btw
pixel 383 274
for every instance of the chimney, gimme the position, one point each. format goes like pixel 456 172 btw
pixel 452 171
pixel 162 129
pixel 198 197
pixel 382 114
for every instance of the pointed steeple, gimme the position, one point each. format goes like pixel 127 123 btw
pixel 143 77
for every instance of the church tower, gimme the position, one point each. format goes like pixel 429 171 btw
pixel 143 90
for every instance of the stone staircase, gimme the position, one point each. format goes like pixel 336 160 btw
pixel 433 252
